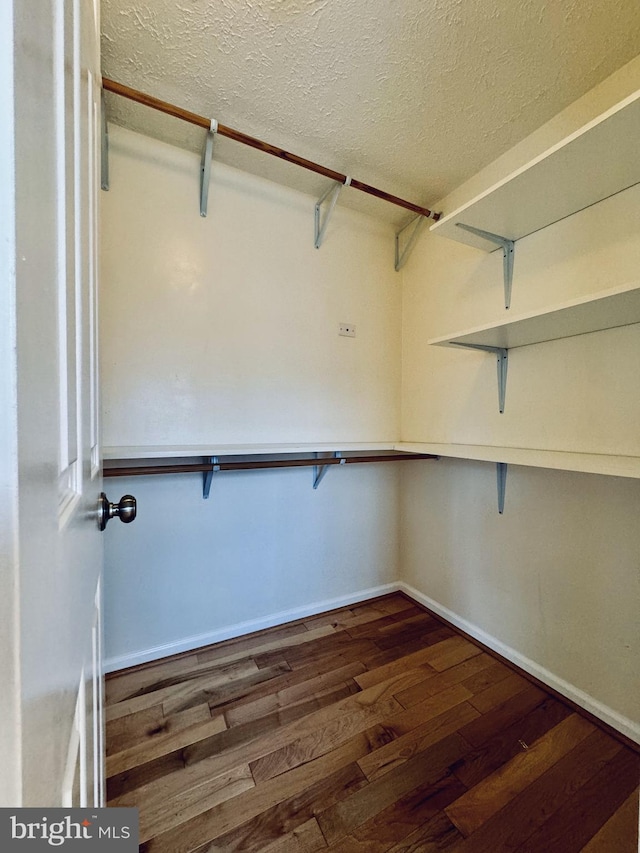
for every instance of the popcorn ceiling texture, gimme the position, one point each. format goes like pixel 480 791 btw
pixel 412 96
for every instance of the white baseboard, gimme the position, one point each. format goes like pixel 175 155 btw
pixel 229 632
pixel 623 724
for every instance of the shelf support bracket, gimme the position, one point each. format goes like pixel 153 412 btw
pixel 205 167
pixel 319 471
pixel 104 148
pixel 508 251
pixel 207 477
pixel 501 470
pixel 402 256
pixel 330 197
pixel 503 362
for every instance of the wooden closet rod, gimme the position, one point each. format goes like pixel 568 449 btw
pixel 199 467
pixel 238 136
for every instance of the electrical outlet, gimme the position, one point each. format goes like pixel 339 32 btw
pixel 347 329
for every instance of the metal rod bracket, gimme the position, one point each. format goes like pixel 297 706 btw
pixel 319 471
pixel 330 197
pixel 207 477
pixel 503 362
pixel 205 167
pixel 501 471
pixel 402 255
pixel 508 252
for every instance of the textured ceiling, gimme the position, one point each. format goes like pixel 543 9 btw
pixel 412 96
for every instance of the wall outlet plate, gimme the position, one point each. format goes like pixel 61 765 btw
pixel 347 329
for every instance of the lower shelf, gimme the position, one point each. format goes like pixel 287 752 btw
pixel 165 451
pixel 207 465
pixel 587 463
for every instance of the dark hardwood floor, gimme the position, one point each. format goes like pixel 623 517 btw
pixel 372 728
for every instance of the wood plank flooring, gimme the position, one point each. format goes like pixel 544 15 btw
pixel 371 729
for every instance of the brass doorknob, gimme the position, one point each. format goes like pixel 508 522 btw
pixel 125 510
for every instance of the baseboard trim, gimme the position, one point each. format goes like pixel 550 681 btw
pixel 230 632
pixel 628 728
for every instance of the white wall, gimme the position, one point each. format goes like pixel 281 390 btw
pixel 264 549
pixel 554 583
pixel 555 579
pixel 224 330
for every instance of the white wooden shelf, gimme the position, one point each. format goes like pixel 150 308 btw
pixel 607 309
pixel 175 451
pixel 208 460
pixel 590 463
pixel 587 463
pixel 619 306
pixel 597 161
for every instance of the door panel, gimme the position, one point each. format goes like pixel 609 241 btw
pixel 54 568
pixel 83 779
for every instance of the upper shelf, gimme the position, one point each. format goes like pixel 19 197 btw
pixel 597 161
pixel 619 306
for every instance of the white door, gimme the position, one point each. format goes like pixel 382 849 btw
pixel 51 742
